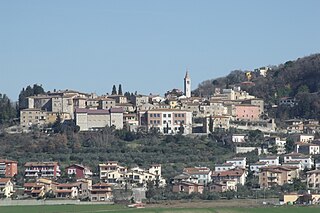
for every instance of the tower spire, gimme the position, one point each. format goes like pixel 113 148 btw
pixel 187 84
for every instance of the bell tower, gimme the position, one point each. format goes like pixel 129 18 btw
pixel 187 85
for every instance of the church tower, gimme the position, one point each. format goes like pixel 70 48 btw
pixel 187 85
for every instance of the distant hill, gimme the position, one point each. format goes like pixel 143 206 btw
pixel 299 79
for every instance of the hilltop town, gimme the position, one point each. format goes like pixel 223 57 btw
pixel 260 155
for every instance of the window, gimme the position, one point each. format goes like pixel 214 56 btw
pixel 169 115
pixel 164 115
pixel 158 115
pixel 182 115
pixel 151 115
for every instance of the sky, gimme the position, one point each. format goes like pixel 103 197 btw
pixel 147 45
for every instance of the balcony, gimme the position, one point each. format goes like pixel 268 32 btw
pixel 32 170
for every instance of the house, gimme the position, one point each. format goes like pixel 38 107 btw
pixel 294 163
pixel 240 162
pixel 307 148
pixel 223 186
pixel 203 174
pixel 39 187
pixel 295 198
pixel 6 187
pixel 306 160
pixel 277 175
pixel 78 171
pixel 90 119
pixel 305 138
pixel 42 169
pixel 188 187
pixel 313 179
pixel 66 190
pixel 287 101
pixel 185 177
pixel 271 160
pixel 238 138
pixel 84 187
pixel 8 168
pixel 255 167
pixel 223 167
pixel 101 192
pixel 238 175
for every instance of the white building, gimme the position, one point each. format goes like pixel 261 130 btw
pixel 224 167
pixel 88 119
pixel 271 160
pixel 307 148
pixel 279 143
pixel 167 121
pixel 238 138
pixel 306 160
pixel 240 162
pixel 203 174
pixel 255 167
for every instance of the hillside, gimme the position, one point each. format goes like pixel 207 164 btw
pixel 299 79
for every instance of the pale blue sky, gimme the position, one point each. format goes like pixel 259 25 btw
pixel 147 45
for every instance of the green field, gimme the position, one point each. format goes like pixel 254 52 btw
pixel 117 208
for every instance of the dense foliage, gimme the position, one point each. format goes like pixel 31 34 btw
pixel 29 91
pixel 7 109
pixel 299 79
pixel 91 148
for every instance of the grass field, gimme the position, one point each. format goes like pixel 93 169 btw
pixel 122 209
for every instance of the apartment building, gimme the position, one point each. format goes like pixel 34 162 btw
pixel 280 143
pixel 66 190
pixel 313 179
pixel 8 168
pixel 101 192
pixel 307 148
pixel 167 121
pixel 111 171
pixel 42 169
pixel 277 175
pixel 88 119
pixel 247 112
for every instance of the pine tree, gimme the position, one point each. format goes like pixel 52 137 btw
pixel 114 90
pixel 120 90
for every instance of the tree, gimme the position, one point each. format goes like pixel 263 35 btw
pixel 181 129
pixel 120 90
pixel 114 90
pixel 210 124
pixel 289 145
pixel 151 190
